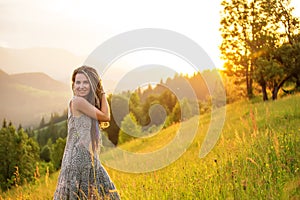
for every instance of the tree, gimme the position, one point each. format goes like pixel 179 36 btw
pixel 288 21
pixel 253 42
pixel 186 109
pixel 288 58
pixel 42 123
pixel 248 28
pixel 30 156
pixel 129 129
pixel 281 64
pixel 176 113
pixel 117 104
pixel 135 106
pixel 17 151
pixel 57 151
pixel 168 100
pixel 45 153
pixel 4 123
pixel 8 161
pixel 234 48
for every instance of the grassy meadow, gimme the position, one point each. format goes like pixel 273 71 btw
pixel 256 157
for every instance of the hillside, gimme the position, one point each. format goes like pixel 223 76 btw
pixel 26 97
pixel 40 81
pixel 256 157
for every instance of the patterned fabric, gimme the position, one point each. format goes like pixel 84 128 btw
pixel 82 176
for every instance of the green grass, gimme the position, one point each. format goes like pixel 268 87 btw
pixel 256 157
pixel 149 144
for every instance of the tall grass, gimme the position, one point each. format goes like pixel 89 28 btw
pixel 256 157
pixel 42 188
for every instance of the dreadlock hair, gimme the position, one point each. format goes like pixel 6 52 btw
pixel 94 97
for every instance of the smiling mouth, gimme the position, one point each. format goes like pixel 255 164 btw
pixel 82 92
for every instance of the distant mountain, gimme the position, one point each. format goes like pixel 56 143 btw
pixel 4 76
pixel 39 81
pixel 58 63
pixel 25 98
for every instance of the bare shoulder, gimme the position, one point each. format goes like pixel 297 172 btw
pixel 78 101
pixel 77 104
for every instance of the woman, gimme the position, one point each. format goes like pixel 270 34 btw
pixel 82 176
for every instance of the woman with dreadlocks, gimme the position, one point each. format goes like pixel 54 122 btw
pixel 82 176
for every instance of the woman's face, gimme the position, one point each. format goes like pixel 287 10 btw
pixel 81 85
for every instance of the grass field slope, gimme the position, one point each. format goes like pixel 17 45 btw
pixel 256 157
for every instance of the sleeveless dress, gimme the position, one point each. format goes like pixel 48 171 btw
pixel 82 176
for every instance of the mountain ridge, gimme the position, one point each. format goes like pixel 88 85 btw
pixel 27 97
pixel 56 62
pixel 33 79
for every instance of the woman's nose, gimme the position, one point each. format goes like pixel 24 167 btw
pixel 81 86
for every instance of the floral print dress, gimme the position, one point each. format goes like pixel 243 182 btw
pixel 82 176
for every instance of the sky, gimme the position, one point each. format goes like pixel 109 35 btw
pixel 79 26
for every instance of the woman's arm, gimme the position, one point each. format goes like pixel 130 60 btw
pixel 82 105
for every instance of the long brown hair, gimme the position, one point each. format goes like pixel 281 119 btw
pixel 94 97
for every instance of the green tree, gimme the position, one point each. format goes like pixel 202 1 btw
pixel 135 107
pixel 176 113
pixel 288 55
pixel 7 156
pixel 57 151
pixel 129 129
pixel 45 153
pixel 248 28
pixel 168 100
pixel 42 123
pixel 16 150
pixel 281 64
pixel 251 32
pixel 234 47
pixel 30 156
pixel 186 109
pixel 117 104
pixel 42 136
pixel 150 100
pixel 4 123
